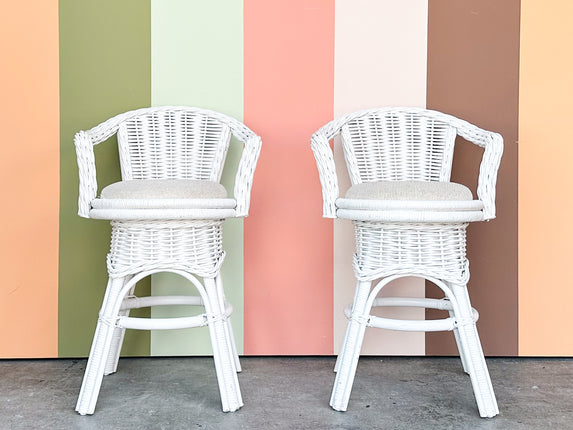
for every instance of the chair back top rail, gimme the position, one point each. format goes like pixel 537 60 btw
pixel 106 129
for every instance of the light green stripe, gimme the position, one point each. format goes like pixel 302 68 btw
pixel 197 60
pixel 104 70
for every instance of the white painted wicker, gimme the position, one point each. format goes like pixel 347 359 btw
pixel 423 237
pixel 169 142
pixel 178 147
pixel 422 142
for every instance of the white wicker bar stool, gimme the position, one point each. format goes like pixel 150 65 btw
pixel 166 216
pixel 409 220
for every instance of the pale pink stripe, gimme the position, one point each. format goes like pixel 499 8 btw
pixel 380 52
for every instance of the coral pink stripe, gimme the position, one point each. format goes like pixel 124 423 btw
pixel 288 94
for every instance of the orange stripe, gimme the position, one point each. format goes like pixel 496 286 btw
pixel 288 93
pixel 545 180
pixel 29 115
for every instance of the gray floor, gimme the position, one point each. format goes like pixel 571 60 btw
pixel 287 393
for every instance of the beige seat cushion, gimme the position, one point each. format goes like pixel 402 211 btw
pixel 164 189
pixel 163 199
pixel 409 190
pixel 409 201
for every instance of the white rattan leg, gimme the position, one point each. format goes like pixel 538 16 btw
pixel 460 349
pixel 223 356
pixel 475 361
pixel 342 349
pixel 350 351
pixel 230 334
pixel 115 348
pixel 117 341
pixel 99 352
pixel 340 354
pixel 233 346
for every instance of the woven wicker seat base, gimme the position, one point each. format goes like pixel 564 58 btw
pixel 428 249
pixel 195 246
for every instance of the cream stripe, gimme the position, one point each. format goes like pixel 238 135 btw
pixel 380 60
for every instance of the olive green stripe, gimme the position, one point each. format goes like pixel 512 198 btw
pixel 105 69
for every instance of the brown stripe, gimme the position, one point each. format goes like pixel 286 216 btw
pixel 473 65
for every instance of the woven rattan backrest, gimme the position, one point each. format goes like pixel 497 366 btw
pixel 398 145
pixel 173 144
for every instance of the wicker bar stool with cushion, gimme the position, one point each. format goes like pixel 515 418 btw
pixel 166 215
pixel 409 220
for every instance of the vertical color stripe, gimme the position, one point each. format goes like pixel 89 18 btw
pixel 104 70
pixel 473 65
pixel 304 63
pixel 197 60
pixel 545 179
pixel 29 161
pixel 380 53
pixel 288 253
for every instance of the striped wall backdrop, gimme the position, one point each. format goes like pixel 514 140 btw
pixel 284 68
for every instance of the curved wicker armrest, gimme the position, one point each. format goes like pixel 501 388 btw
pixel 493 149
pixel 245 173
pixel 87 172
pixel 326 170
pixel 84 142
pixel 324 157
pixel 247 164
